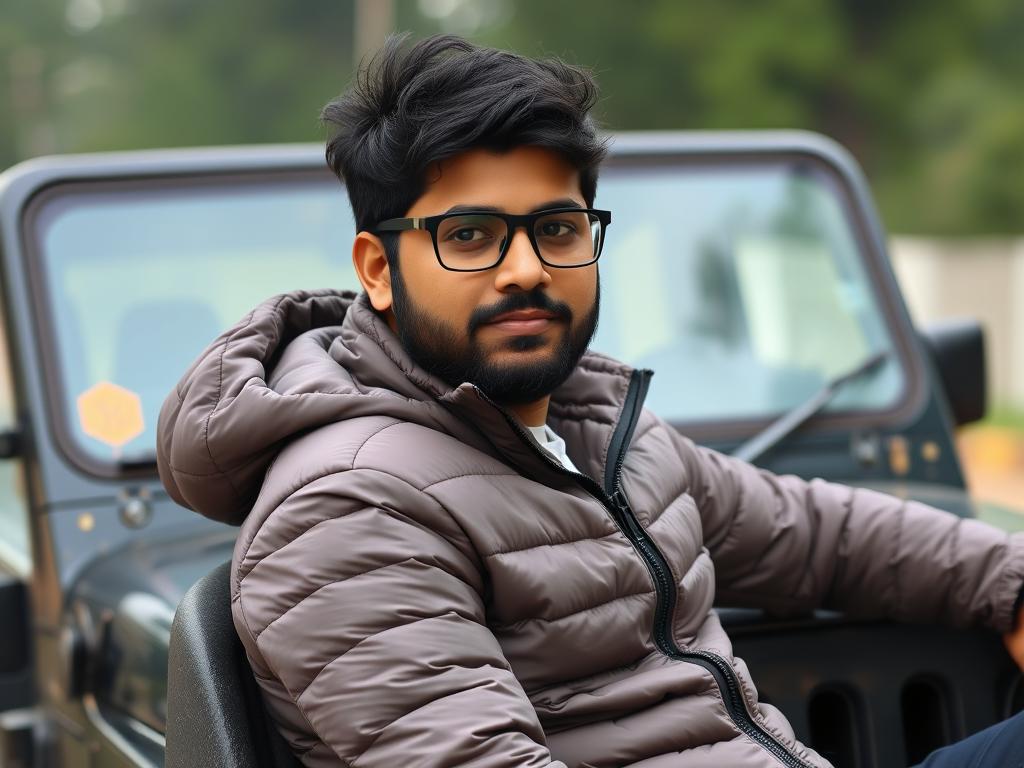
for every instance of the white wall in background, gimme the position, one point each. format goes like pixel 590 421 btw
pixel 980 278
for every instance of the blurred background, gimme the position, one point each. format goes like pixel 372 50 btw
pixel 928 96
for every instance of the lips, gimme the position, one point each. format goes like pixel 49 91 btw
pixel 519 314
pixel 523 315
pixel 522 322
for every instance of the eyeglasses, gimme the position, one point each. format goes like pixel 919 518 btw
pixel 472 241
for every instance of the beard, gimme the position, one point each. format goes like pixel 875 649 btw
pixel 456 357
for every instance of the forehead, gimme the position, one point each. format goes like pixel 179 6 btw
pixel 515 181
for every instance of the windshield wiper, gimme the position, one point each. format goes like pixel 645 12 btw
pixel 781 428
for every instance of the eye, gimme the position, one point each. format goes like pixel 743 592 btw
pixel 469 230
pixel 467 234
pixel 556 229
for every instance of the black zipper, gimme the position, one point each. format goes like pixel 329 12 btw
pixel 615 501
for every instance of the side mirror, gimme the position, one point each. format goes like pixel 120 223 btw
pixel 957 347
pixel 10 444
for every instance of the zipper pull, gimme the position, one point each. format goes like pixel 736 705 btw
pixel 619 499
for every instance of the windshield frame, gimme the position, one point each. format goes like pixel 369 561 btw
pixel 185 169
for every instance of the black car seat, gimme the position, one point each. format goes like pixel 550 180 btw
pixel 215 714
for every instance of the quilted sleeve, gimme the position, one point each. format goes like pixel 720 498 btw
pixel 789 545
pixel 374 625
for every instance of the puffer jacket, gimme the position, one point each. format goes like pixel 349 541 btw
pixel 417 583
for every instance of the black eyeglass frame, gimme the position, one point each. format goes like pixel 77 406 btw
pixel 512 221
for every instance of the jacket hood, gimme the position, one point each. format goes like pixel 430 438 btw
pixel 305 359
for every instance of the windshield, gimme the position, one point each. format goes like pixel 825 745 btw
pixel 741 285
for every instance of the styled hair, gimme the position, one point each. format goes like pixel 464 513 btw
pixel 412 106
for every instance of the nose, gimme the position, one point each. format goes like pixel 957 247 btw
pixel 521 268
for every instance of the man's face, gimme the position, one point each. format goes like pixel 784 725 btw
pixel 516 330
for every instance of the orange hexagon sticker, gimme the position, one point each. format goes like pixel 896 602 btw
pixel 110 413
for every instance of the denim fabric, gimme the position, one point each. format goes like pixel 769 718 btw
pixel 1000 746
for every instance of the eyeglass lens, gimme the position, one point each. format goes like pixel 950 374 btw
pixel 475 241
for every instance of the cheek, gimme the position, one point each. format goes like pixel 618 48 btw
pixel 581 292
pixel 447 296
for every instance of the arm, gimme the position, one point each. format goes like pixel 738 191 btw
pixel 788 545
pixel 373 623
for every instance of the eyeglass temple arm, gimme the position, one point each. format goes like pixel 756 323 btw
pixel 401 225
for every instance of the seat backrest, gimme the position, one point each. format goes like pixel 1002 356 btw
pixel 215 714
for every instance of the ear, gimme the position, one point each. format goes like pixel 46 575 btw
pixel 371 263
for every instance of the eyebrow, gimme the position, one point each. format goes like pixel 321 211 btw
pixel 563 202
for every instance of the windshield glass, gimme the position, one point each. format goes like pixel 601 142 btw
pixel 742 286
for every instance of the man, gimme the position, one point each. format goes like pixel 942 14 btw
pixel 463 541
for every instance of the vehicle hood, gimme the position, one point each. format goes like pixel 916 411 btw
pixel 284 369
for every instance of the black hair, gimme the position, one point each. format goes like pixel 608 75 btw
pixel 412 106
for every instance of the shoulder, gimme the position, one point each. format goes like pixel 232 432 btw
pixel 406 452
pixel 373 465
pixel 660 450
pixel 653 431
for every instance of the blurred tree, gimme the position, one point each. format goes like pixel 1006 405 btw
pixel 117 74
pixel 927 95
pixel 31 48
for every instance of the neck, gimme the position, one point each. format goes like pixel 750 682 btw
pixel 533 414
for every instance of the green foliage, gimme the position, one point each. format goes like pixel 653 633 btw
pixel 1005 415
pixel 927 95
pixel 170 72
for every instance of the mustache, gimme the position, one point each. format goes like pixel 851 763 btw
pixel 515 302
